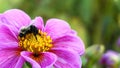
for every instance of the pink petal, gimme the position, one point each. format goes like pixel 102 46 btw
pixel 67 59
pixel 20 62
pixel 8 45
pixel 70 42
pixel 46 59
pixel 26 56
pixel 9 57
pixel 73 32
pixel 15 17
pixel 8 33
pixel 38 22
pixel 57 28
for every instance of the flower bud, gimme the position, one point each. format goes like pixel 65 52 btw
pixel 95 50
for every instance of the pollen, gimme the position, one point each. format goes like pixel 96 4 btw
pixel 40 42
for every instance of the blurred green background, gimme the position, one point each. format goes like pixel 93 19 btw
pixel 96 21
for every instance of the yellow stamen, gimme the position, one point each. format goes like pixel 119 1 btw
pixel 35 43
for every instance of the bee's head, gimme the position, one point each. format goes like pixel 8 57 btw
pixel 23 31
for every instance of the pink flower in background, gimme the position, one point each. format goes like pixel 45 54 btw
pixel 110 58
pixel 25 40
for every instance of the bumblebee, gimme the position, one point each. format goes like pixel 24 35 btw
pixel 30 29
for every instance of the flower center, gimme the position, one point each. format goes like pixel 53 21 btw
pixel 40 42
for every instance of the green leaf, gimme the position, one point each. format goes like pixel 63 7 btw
pixel 27 65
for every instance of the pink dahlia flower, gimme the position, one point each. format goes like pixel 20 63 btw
pixel 25 40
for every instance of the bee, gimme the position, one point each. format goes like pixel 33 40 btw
pixel 29 29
